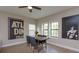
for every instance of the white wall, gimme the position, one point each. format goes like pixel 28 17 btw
pixel 4 28
pixel 66 43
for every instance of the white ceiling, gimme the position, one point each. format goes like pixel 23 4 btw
pixel 36 14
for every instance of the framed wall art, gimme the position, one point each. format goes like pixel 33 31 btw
pixel 15 28
pixel 70 27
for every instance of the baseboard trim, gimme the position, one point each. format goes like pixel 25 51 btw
pixel 16 43
pixel 70 48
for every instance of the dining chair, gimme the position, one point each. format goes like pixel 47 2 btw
pixel 28 41
pixel 35 46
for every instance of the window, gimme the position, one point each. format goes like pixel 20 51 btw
pixel 50 29
pixel 32 29
pixel 54 29
pixel 45 29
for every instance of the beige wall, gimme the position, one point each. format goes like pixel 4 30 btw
pixel 66 43
pixel 4 28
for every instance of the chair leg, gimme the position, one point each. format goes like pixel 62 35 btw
pixel 33 49
pixel 45 45
pixel 42 44
pixel 29 45
pixel 38 51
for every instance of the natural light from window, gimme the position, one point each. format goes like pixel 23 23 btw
pixel 32 29
pixel 54 29
pixel 50 29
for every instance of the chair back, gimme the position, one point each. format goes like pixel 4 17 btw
pixel 28 39
pixel 33 41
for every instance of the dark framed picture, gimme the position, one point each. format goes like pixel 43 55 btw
pixel 70 27
pixel 15 28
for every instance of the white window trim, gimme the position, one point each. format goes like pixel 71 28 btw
pixel 32 29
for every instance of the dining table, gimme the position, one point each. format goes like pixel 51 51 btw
pixel 41 40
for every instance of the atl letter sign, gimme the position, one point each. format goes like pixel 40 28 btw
pixel 16 28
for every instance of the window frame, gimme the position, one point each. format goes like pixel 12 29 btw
pixel 43 29
pixel 32 29
pixel 52 35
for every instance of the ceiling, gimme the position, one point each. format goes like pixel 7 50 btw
pixel 36 14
